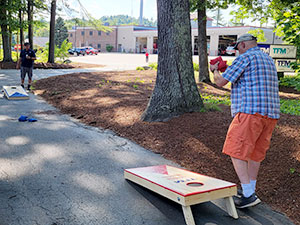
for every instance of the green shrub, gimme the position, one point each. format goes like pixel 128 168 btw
pixel 140 68
pixel 290 81
pixel 153 66
pixel 212 99
pixel 287 106
pixel 60 54
pixel 109 48
pixel 209 107
pixel 290 106
pixel 196 66
pixel 13 55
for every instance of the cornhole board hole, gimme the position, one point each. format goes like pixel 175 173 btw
pixel 184 187
pixel 15 93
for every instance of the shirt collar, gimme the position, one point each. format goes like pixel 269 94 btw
pixel 253 48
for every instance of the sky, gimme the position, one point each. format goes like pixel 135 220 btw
pixel 99 8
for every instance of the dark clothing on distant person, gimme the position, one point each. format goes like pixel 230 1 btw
pixel 27 62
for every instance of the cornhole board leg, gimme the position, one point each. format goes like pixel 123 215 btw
pixel 188 215
pixel 231 207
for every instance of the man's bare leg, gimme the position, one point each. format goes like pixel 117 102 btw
pixel 253 168
pixel 241 169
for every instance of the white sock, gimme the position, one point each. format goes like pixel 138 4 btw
pixel 253 184
pixel 247 190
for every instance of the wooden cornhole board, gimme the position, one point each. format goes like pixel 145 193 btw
pixel 15 93
pixel 184 187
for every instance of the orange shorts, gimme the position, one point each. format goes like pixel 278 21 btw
pixel 249 136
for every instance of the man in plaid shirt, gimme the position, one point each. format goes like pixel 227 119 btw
pixel 255 107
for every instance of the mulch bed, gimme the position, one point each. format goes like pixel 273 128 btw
pixel 12 65
pixel 116 100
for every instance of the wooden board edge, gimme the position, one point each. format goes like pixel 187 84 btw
pixel 155 188
pixel 212 195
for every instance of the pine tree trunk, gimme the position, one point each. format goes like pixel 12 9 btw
pixel 202 43
pixel 5 33
pixel 30 22
pixel 51 56
pixel 6 44
pixel 175 90
pixel 21 28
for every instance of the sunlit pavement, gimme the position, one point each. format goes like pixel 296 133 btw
pixel 119 61
pixel 57 171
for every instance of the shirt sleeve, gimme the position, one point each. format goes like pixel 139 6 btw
pixel 33 54
pixel 237 68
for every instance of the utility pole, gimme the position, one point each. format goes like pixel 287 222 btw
pixel 141 12
pixel 75 35
pixel 218 16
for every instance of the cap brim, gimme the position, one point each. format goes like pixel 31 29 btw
pixel 235 46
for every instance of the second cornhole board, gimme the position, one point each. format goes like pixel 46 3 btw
pixel 15 93
pixel 184 187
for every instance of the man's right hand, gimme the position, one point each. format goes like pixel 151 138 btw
pixel 18 67
pixel 214 67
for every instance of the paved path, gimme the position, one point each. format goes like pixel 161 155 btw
pixel 119 61
pixel 58 171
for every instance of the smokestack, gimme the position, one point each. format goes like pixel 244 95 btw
pixel 141 13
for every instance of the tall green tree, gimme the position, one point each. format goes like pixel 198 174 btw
pixel 284 12
pixel 289 23
pixel 9 24
pixel 51 56
pixel 125 20
pixel 30 21
pixel 201 6
pixel 175 89
pixel 4 23
pixel 61 32
pixel 21 23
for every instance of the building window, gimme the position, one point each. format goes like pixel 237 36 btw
pixel 99 33
pixel 82 33
pixel 99 46
pixel 91 33
pixel 91 45
pixel 107 33
pixel 82 44
pixel 71 35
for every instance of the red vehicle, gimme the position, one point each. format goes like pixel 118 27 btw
pixel 91 51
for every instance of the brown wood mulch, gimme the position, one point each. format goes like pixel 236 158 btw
pixel 40 65
pixel 116 100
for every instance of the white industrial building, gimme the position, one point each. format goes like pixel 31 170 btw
pixel 137 39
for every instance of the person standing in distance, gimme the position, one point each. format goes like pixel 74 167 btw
pixel 147 57
pixel 26 60
pixel 255 109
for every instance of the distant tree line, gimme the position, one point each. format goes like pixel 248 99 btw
pixel 125 20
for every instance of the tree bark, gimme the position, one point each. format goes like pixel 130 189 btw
pixel 5 33
pixel 21 28
pixel 202 43
pixel 30 22
pixel 51 56
pixel 175 90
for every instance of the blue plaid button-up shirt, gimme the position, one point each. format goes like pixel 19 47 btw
pixel 254 84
